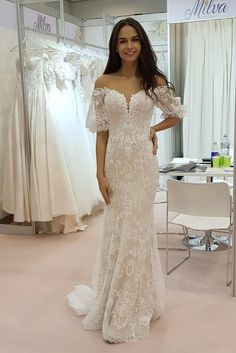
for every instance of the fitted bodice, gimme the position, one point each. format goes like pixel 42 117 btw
pixel 128 119
pixel 34 71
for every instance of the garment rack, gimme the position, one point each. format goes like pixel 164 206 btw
pixel 29 228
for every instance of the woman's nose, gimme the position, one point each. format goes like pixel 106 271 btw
pixel 129 44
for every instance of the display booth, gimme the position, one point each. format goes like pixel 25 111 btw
pixel 47 89
pixel 47 156
pixel 51 55
pixel 212 73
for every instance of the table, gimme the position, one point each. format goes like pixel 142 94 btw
pixel 206 242
pixel 208 173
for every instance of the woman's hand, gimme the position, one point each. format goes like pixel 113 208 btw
pixel 153 138
pixel 105 189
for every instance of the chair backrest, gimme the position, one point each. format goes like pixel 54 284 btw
pixel 200 199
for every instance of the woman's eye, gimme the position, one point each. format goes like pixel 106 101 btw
pixel 122 41
pixel 136 39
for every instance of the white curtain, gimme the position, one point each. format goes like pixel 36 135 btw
pixel 210 85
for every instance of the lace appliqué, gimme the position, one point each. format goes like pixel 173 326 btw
pixel 96 119
pixel 170 105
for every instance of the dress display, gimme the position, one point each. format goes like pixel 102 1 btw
pixel 128 286
pixel 15 190
pixel 61 186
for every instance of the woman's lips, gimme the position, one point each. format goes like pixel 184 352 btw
pixel 130 53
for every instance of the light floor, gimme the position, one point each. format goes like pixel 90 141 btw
pixel 37 272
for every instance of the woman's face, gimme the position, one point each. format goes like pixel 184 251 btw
pixel 128 44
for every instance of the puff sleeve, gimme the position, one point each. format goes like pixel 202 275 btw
pixel 96 118
pixel 169 105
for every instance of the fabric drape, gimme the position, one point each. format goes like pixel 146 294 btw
pixel 210 85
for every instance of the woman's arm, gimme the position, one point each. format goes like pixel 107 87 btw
pixel 169 106
pixel 166 124
pixel 101 145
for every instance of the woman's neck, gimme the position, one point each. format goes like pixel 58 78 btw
pixel 129 70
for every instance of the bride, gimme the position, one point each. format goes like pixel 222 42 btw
pixel 128 291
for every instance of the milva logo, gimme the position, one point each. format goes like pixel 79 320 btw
pixel 42 25
pixel 202 8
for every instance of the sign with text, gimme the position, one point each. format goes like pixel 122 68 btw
pixel 39 21
pixel 199 10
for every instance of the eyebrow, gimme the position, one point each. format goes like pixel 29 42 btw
pixel 137 36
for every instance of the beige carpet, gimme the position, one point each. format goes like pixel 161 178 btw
pixel 37 272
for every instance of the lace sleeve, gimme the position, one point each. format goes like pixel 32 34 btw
pixel 96 118
pixel 170 105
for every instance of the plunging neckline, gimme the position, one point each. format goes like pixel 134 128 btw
pixel 123 96
pixel 127 101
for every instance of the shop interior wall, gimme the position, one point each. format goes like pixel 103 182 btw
pixel 95 8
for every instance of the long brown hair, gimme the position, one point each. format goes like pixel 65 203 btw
pixel 147 62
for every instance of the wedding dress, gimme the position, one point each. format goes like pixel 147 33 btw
pixel 15 197
pixel 63 177
pixel 128 288
pixel 58 185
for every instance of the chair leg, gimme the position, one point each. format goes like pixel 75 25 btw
pixel 186 234
pixel 168 271
pixel 228 281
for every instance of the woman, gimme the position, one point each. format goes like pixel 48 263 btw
pixel 129 287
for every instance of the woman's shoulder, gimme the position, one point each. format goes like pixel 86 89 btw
pixel 103 81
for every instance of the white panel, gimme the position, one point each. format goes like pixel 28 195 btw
pixel 94 35
pixel 72 31
pixel 7 14
pixel 40 21
pixel 198 10
pixel 95 8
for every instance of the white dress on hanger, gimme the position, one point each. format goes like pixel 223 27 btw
pixel 58 186
pixel 128 289
pixel 73 141
pixel 15 197
pixel 63 178
pixel 40 202
pixel 90 68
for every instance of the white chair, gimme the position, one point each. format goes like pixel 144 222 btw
pixel 216 180
pixel 201 207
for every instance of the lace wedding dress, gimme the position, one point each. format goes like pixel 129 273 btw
pixel 15 190
pixel 128 288
pixel 62 174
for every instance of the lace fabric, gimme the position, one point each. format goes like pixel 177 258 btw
pixel 97 116
pixel 128 285
pixel 96 119
pixel 170 105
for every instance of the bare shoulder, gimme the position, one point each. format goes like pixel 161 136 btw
pixel 160 81
pixel 103 81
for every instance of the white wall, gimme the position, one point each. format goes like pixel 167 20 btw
pixel 95 8
pixel 56 5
